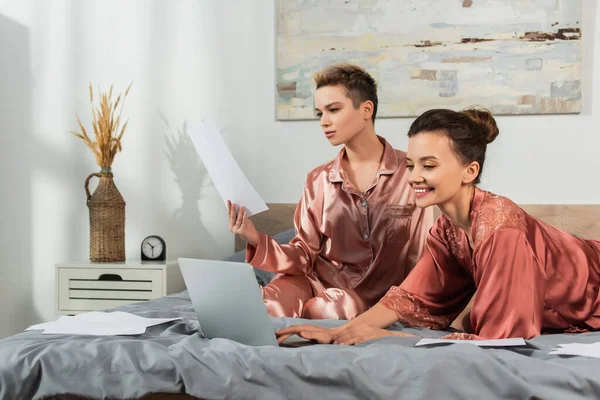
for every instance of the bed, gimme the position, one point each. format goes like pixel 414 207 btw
pixel 174 361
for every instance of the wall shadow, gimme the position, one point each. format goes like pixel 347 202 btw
pixel 16 161
pixel 191 238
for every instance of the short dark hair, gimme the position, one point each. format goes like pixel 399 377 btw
pixel 360 85
pixel 469 130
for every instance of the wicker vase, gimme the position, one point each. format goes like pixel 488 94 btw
pixel 107 219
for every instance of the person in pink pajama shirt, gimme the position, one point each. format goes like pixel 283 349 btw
pixel 526 277
pixel 358 231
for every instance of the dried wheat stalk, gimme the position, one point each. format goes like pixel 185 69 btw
pixel 107 127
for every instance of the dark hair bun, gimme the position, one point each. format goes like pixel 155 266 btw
pixel 485 121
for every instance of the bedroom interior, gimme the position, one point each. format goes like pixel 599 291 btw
pixel 248 67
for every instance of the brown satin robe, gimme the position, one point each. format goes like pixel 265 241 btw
pixel 350 247
pixel 527 276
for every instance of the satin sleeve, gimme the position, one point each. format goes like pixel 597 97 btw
pixel 297 257
pixel 436 290
pixel 511 285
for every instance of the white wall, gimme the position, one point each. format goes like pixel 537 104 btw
pixel 191 59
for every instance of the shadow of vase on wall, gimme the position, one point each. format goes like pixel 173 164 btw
pixel 107 219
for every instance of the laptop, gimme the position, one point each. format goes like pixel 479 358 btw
pixel 228 302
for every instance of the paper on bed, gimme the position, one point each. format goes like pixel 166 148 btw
pixel 45 325
pixel 72 327
pixel 482 343
pixel 230 181
pixel 578 349
pixel 100 324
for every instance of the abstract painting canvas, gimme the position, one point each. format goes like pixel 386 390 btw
pixel 511 56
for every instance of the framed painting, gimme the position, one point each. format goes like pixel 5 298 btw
pixel 511 56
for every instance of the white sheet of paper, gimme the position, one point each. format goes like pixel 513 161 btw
pixel 73 327
pixel 481 343
pixel 230 181
pixel 45 325
pixel 122 318
pixel 578 349
pixel 99 323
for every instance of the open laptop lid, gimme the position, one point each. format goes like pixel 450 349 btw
pixel 228 301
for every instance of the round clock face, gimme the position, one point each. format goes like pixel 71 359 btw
pixel 152 247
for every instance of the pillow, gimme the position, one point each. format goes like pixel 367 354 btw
pixel 264 277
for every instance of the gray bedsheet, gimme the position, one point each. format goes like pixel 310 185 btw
pixel 175 358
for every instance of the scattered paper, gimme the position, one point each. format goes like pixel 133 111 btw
pixel 578 349
pixel 481 343
pixel 45 325
pixel 230 181
pixel 99 323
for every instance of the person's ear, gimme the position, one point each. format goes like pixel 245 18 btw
pixel 471 172
pixel 367 108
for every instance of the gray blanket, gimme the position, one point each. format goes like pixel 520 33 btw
pixel 174 358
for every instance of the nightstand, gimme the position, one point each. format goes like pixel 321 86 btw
pixel 88 286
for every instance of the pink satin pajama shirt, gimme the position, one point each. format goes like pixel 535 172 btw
pixel 350 247
pixel 528 277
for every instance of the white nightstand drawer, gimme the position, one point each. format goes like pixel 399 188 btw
pixel 92 288
pixel 140 295
pixel 87 286
pixel 109 285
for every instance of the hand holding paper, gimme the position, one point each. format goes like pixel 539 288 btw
pixel 240 224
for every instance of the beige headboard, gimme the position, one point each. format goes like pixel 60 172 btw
pixel 582 220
